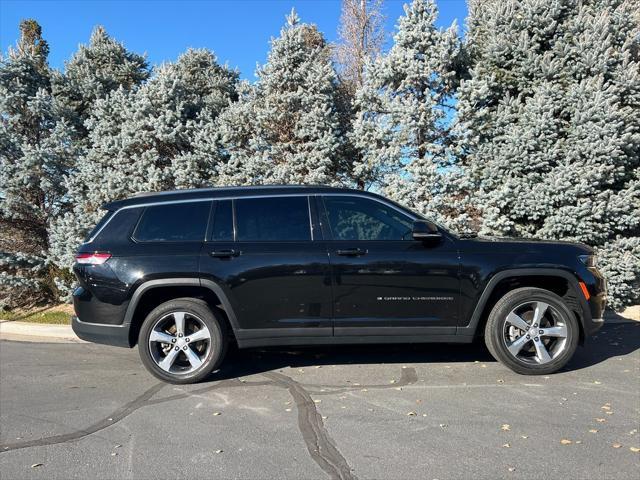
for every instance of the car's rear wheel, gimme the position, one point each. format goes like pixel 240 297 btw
pixel 182 341
pixel 532 331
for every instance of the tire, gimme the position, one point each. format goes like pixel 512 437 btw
pixel 182 359
pixel 506 334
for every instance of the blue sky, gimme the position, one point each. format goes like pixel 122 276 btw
pixel 237 31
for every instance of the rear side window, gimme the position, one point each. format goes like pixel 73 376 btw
pixel 273 219
pixel 222 222
pixel 175 222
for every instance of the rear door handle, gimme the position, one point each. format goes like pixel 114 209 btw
pixel 224 253
pixel 351 252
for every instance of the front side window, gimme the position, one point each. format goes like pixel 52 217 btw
pixel 355 218
pixel 284 219
pixel 174 222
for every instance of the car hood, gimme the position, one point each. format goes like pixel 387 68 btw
pixel 533 243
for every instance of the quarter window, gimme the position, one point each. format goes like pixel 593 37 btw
pixel 354 218
pixel 175 222
pixel 273 219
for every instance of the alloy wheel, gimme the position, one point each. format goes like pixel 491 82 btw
pixel 535 333
pixel 179 343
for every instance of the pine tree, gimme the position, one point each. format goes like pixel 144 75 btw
pixel 145 140
pixel 404 109
pixel 550 119
pixel 93 72
pixel 36 149
pixel 292 133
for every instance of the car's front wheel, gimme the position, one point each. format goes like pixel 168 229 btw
pixel 532 331
pixel 182 341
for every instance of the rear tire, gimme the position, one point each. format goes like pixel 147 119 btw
pixel 532 331
pixel 182 341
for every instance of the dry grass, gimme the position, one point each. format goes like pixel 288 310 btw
pixel 56 315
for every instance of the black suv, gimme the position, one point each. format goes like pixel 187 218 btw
pixel 184 273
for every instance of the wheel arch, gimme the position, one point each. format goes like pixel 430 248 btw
pixel 152 293
pixel 507 280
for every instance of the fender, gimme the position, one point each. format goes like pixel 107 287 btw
pixel 572 280
pixel 181 282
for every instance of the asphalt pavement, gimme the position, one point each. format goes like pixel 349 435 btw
pixel 75 410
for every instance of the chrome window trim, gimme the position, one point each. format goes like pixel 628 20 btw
pixel 239 197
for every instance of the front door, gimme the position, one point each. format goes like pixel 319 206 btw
pixel 384 282
pixel 265 254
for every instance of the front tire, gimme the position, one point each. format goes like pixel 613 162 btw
pixel 532 331
pixel 182 341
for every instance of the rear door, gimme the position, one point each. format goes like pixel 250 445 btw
pixel 267 255
pixel 384 282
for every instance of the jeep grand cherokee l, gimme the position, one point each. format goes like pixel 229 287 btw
pixel 184 273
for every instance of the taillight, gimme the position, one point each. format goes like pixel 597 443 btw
pixel 92 258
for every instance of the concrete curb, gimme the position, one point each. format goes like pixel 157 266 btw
pixel 37 332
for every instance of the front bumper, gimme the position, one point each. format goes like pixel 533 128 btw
pixel 117 335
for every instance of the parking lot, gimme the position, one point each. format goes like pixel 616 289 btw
pixel 73 410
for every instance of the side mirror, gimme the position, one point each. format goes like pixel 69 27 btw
pixel 425 230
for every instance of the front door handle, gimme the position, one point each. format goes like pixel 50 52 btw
pixel 351 252
pixel 224 253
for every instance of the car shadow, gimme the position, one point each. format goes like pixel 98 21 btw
pixel 612 340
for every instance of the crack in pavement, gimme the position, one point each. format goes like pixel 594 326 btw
pixel 112 419
pixel 408 376
pixel 143 400
pixel 319 444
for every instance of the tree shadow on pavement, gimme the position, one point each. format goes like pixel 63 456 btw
pixel 612 340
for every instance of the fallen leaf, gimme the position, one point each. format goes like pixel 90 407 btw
pixel 593 430
pixel 36 465
pixel 616 445
pixel 564 441
pixel 505 427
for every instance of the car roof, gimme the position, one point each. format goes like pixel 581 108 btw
pixel 225 192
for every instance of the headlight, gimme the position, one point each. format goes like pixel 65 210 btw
pixel 588 260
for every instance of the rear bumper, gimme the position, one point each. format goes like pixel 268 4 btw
pixel 117 335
